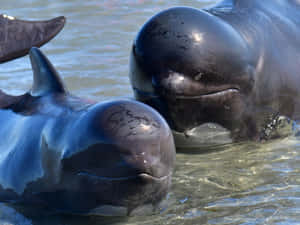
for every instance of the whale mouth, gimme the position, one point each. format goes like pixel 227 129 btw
pixel 185 112
pixel 222 107
pixel 144 176
pixel 216 95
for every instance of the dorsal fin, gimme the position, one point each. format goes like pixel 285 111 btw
pixel 45 78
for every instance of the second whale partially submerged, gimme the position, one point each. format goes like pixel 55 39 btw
pixel 72 155
pixel 232 68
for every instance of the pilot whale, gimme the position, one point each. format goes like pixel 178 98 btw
pixel 18 36
pixel 232 68
pixel 66 154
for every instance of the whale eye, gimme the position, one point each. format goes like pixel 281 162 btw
pixel 198 76
pixel 208 77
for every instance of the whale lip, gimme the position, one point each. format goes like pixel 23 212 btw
pixel 211 95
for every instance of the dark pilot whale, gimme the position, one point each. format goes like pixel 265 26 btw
pixel 18 36
pixel 71 155
pixel 233 68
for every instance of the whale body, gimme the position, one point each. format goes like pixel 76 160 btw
pixel 66 154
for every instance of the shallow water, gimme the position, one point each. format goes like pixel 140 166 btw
pixel 236 184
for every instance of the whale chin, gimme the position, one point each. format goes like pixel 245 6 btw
pixel 111 210
pixel 109 196
pixel 146 201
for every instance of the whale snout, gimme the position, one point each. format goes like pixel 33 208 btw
pixel 113 162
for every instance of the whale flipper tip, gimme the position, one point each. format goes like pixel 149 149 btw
pixel 18 36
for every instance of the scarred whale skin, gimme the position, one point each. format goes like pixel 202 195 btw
pixel 234 66
pixel 72 155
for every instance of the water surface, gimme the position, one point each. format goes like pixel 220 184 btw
pixel 237 184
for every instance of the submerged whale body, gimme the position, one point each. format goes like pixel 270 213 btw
pixel 72 155
pixel 18 36
pixel 232 68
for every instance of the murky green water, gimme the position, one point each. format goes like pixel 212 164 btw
pixel 237 184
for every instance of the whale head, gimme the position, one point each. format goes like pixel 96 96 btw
pixel 108 158
pixel 195 69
